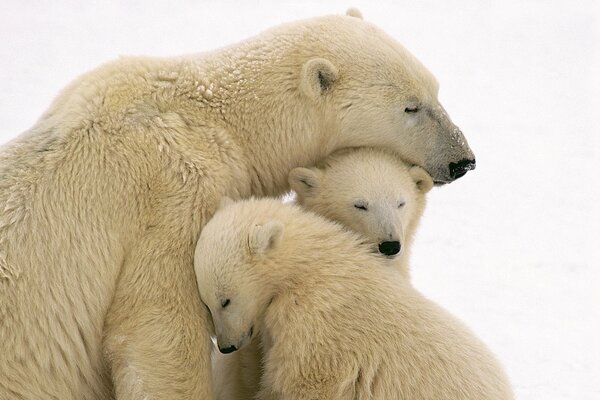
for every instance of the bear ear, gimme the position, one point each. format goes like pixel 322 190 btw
pixel 421 178
pixel 225 201
pixel 354 12
pixel 305 181
pixel 263 238
pixel 318 76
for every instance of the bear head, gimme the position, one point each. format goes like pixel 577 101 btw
pixel 370 191
pixel 227 257
pixel 372 92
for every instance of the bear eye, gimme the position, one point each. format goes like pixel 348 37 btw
pixel 225 303
pixel 401 204
pixel 412 109
pixel 361 206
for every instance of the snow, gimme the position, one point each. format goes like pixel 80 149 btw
pixel 513 247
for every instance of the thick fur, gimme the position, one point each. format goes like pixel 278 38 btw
pixel 103 199
pixel 374 178
pixel 335 320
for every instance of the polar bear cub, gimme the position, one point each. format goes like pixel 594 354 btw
pixel 372 192
pixel 335 321
pixel 368 190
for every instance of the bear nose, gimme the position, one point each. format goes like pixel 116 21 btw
pixel 227 350
pixel 389 248
pixel 460 168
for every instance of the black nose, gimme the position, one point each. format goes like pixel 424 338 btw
pixel 227 350
pixel 389 248
pixel 460 168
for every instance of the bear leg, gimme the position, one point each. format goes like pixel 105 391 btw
pixel 157 341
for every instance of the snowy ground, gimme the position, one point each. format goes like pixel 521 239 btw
pixel 513 248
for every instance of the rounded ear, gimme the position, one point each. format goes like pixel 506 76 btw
pixel 354 12
pixel 305 181
pixel 225 201
pixel 318 76
pixel 263 238
pixel 421 178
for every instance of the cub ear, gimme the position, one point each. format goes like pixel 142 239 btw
pixel 263 238
pixel 421 178
pixel 225 201
pixel 354 12
pixel 305 181
pixel 318 76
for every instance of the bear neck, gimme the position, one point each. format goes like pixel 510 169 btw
pixel 316 263
pixel 253 88
pixel 304 257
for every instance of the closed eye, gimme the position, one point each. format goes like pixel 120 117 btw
pixel 361 207
pixel 401 204
pixel 412 109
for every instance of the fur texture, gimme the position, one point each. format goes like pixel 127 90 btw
pixel 336 322
pixel 103 199
pixel 367 190
pixel 370 191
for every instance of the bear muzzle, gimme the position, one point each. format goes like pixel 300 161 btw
pixel 244 340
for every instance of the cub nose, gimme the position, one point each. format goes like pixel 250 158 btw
pixel 227 350
pixel 460 168
pixel 389 248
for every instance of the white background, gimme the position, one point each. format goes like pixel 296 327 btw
pixel 513 247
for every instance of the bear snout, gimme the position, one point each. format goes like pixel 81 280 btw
pixel 460 168
pixel 389 248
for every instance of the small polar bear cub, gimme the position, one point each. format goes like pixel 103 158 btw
pixel 370 191
pixel 334 324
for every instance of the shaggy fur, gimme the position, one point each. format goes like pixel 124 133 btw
pixel 336 322
pixel 103 199
pixel 372 178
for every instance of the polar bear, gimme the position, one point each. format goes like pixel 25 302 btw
pixel 369 190
pixel 334 324
pixel 96 238
pixel 372 192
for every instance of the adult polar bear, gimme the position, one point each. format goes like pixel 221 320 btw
pixel 104 198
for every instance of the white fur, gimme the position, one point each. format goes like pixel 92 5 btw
pixel 103 199
pixel 335 321
pixel 372 177
pixel 390 192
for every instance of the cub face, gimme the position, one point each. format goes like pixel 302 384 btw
pixel 227 262
pixel 370 192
